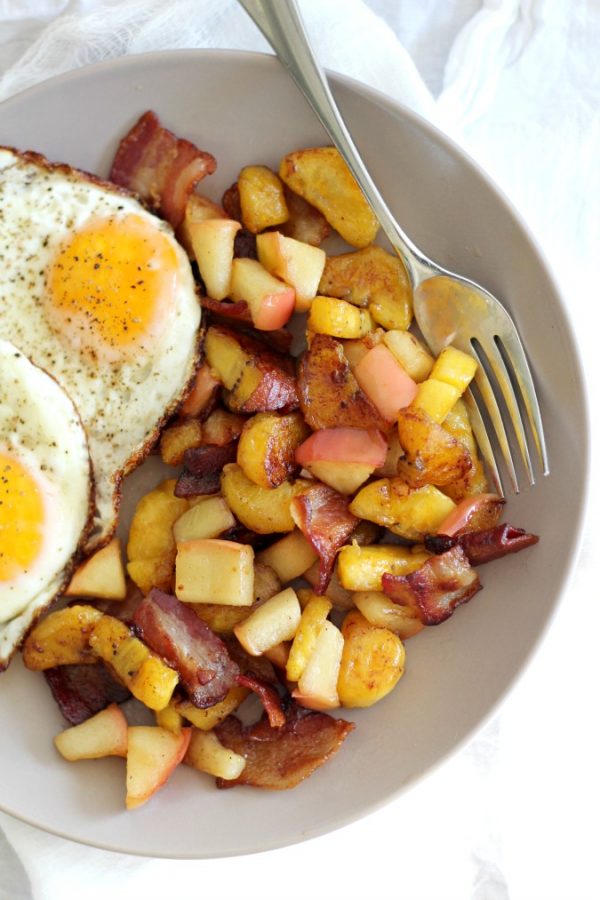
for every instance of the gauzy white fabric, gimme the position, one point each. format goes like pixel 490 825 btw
pixel 513 815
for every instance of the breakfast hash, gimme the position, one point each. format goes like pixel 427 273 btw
pixel 326 501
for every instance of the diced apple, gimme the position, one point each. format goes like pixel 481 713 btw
pixel 197 209
pixel 299 265
pixel 289 557
pixel 382 378
pixel 278 654
pixel 214 571
pixel 271 302
pixel 104 734
pixel 152 755
pixel 345 478
pixel 207 754
pixel 274 621
pixel 212 242
pixel 317 687
pixel 102 575
pixel 343 458
pixel 209 518
pixel 202 393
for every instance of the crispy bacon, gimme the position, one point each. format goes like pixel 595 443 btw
pixel 486 545
pixel 224 310
pixel 437 588
pixel 175 632
pixel 237 315
pixel 209 458
pixel 268 697
pixel 202 469
pixel 190 485
pixel 244 244
pixel 82 691
pixel 325 520
pixel 160 167
pixel 280 758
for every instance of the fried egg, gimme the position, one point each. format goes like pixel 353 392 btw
pixel 97 292
pixel 45 492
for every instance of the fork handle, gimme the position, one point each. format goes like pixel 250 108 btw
pixel 282 26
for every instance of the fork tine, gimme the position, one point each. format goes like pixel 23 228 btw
pixel 511 344
pixel 502 375
pixel 483 441
pixel 493 411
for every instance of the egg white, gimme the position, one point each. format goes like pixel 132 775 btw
pixel 41 429
pixel 121 404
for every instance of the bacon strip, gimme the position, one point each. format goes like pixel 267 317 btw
pixel 209 458
pixel 269 698
pixel 325 520
pixel 202 469
pixel 190 485
pixel 437 588
pixel 280 758
pixel 486 545
pixel 81 691
pixel 224 310
pixel 175 632
pixel 160 167
pixel 237 315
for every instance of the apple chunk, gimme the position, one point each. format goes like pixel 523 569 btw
pixel 342 457
pixel 214 571
pixel 389 387
pixel 274 621
pixel 271 302
pixel 104 734
pixel 207 754
pixel 152 755
pixel 298 264
pixel 212 242
pixel 102 575
pixel 317 687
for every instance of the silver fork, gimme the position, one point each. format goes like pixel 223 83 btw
pixel 449 309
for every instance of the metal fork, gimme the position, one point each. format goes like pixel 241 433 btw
pixel 449 309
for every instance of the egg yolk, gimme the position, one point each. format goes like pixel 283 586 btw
pixel 21 518
pixel 112 286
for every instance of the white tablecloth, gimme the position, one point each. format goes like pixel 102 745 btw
pixel 513 815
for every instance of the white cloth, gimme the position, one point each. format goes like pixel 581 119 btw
pixel 513 815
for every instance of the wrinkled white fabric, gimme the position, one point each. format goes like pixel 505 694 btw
pixel 512 816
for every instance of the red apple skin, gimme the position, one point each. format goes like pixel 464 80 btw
pixel 274 310
pixel 344 445
pixel 469 509
pixel 385 382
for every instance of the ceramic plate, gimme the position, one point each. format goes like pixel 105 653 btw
pixel 244 109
